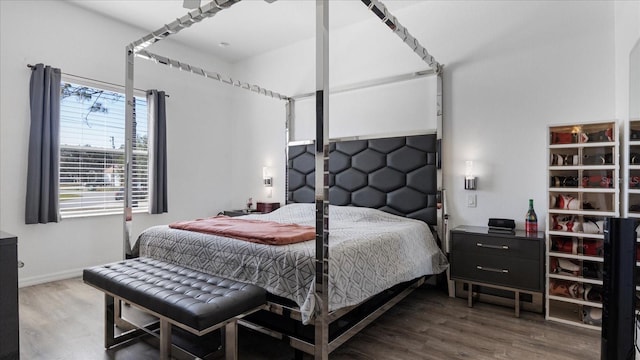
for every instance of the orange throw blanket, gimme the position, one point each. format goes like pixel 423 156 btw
pixel 258 231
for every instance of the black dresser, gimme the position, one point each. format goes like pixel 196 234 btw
pixel 498 267
pixel 9 340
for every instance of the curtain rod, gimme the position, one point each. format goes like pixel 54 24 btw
pixel 98 81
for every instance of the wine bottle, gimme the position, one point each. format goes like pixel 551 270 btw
pixel 531 220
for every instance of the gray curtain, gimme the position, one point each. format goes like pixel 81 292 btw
pixel 44 142
pixel 157 152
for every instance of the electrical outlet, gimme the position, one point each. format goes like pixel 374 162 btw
pixel 471 200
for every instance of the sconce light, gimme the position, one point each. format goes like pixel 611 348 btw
pixel 469 180
pixel 267 179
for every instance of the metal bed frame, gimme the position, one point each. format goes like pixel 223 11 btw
pixel 322 345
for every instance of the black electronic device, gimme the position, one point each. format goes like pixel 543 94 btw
pixel 507 224
pixel 618 289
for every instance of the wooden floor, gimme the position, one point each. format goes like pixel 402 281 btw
pixel 64 320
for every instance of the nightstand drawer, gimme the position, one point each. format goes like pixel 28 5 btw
pixel 496 270
pixel 496 246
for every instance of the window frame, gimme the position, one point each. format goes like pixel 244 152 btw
pixel 143 197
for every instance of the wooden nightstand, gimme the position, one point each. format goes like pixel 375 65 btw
pixel 267 207
pixel 504 264
pixel 234 213
pixel 262 208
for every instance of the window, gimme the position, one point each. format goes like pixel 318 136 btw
pixel 92 138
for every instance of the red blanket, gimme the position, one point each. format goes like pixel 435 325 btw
pixel 258 231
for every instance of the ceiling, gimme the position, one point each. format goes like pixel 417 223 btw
pixel 250 27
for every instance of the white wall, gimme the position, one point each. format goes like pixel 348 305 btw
pixel 627 33
pixel 511 69
pixel 81 43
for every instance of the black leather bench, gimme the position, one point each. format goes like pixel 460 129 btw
pixel 178 296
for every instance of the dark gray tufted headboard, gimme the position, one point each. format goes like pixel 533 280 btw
pixel 396 175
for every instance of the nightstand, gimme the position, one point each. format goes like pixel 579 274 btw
pixel 234 213
pixel 505 268
pixel 267 207
pixel 9 331
pixel 262 208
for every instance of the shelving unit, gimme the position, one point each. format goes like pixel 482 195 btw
pixel 633 170
pixel 632 184
pixel 583 172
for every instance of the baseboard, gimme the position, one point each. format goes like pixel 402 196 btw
pixel 62 275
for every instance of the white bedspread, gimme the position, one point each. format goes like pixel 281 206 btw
pixel 369 251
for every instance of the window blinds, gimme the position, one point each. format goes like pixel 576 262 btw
pixel 92 141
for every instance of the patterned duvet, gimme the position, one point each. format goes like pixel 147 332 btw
pixel 369 251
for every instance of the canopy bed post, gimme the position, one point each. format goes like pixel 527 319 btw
pixel 290 108
pixel 321 347
pixel 439 124
pixel 128 147
pixel 443 214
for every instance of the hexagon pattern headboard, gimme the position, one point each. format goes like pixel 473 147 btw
pixel 397 175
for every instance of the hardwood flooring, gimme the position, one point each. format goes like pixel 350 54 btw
pixel 64 320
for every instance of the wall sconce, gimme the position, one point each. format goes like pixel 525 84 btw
pixel 267 179
pixel 470 181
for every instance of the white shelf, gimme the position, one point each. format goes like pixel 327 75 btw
pixel 575 301
pixel 576 256
pixel 576 234
pixel 573 322
pixel 576 279
pixel 584 190
pixel 581 167
pixel 633 167
pixel 582 212
pixel 634 142
pixel 583 145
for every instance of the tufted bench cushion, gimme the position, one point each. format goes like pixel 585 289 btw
pixel 190 297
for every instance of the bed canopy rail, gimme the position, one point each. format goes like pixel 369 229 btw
pixel 163 60
pixel 388 19
pixel 321 347
pixel 206 11
pixel 371 83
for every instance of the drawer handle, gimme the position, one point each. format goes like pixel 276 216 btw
pixel 499 247
pixel 503 271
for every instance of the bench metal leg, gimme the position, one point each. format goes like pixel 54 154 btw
pixel 112 314
pixel 231 340
pixel 111 318
pixel 109 321
pixel 165 339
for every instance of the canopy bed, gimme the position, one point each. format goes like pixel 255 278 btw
pixel 399 175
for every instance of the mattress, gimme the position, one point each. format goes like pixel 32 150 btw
pixel 369 251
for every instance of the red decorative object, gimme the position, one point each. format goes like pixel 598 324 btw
pixel 592 247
